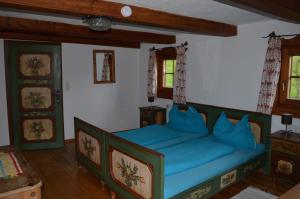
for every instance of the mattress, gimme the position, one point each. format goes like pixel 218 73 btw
pixel 184 180
pixel 157 136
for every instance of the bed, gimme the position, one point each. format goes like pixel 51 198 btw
pixel 143 171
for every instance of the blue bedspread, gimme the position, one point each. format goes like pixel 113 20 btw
pixel 156 136
pixel 192 154
pixel 194 176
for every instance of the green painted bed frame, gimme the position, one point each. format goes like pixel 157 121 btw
pixel 155 161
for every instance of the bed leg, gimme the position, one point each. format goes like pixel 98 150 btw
pixel 113 195
pixel 102 184
pixel 79 165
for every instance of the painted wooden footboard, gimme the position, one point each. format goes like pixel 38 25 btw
pixel 134 171
pixel 130 170
pixel 90 147
pixel 215 184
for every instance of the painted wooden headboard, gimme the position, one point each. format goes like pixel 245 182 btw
pixel 260 123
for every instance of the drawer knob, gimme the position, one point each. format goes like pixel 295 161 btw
pixel 32 194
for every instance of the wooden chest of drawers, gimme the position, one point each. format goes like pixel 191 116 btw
pixel 286 156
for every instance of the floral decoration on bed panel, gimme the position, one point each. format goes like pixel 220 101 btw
pixel 89 147
pixel 199 193
pixel 251 166
pixel 228 179
pixel 129 173
pixel 136 176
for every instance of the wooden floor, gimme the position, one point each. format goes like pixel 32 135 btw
pixel 63 179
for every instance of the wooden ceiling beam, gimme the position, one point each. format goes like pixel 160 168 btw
pixel 142 16
pixel 49 38
pixel 29 26
pixel 285 9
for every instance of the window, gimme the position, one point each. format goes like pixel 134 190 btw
pixel 294 78
pixel 166 64
pixel 288 95
pixel 168 73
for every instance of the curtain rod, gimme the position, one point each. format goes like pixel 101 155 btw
pixel 273 34
pixel 183 45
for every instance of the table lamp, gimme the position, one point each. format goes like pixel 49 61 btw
pixel 286 119
pixel 151 100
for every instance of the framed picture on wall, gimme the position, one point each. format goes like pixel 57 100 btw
pixel 104 66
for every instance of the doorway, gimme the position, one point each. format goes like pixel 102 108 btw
pixel 34 94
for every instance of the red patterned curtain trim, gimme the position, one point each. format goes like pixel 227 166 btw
pixel 152 75
pixel 270 76
pixel 180 76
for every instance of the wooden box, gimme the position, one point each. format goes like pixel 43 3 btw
pixel 25 186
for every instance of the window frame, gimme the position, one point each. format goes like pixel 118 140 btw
pixel 282 104
pixel 161 55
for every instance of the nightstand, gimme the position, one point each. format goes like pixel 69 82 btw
pixel 286 156
pixel 152 115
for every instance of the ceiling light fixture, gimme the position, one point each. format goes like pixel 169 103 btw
pixel 126 11
pixel 97 23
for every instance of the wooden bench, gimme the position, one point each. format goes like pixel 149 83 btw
pixel 293 193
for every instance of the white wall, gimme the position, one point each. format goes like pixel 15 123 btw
pixel 109 106
pixel 225 71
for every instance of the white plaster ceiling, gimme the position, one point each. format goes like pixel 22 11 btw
pixel 206 9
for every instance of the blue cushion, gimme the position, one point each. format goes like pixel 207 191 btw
pixel 222 126
pixel 190 121
pixel 239 135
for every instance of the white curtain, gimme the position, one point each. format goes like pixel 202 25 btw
pixel 270 76
pixel 152 75
pixel 180 76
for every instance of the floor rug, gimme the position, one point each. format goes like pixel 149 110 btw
pixel 253 193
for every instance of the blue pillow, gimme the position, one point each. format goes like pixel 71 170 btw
pixel 222 126
pixel 239 135
pixel 190 121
